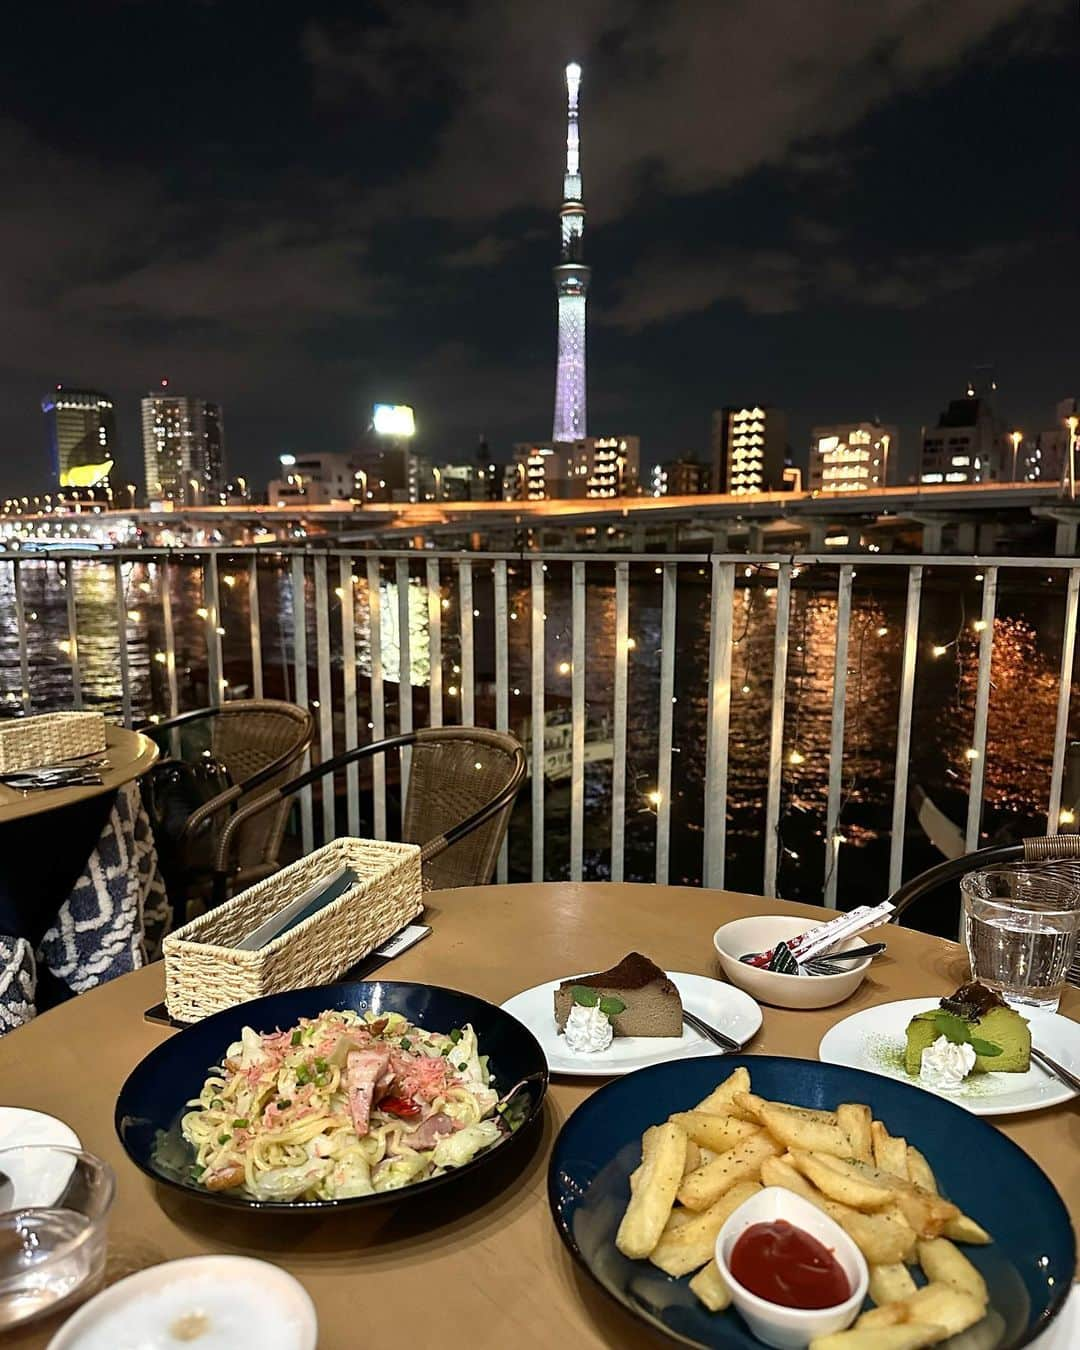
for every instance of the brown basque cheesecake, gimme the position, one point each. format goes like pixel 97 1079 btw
pixel 652 1006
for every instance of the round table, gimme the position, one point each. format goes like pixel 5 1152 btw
pixel 129 753
pixel 483 1263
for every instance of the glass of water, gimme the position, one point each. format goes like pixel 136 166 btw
pixel 1019 928
pixel 54 1210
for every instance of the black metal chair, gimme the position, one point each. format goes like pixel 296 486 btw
pixel 1059 854
pixel 258 742
pixel 463 782
pixel 1062 850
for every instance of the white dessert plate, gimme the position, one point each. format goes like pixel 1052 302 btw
pixel 216 1302
pixel 721 1005
pixel 874 1039
pixel 37 1181
pixel 21 1127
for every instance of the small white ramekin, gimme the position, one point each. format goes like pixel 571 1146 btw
pixel 772 1323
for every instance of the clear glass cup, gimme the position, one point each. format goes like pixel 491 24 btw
pixel 54 1213
pixel 1019 927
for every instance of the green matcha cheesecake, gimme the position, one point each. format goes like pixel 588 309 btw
pixel 974 1016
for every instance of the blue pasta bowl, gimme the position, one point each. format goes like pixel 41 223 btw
pixel 156 1095
pixel 1028 1267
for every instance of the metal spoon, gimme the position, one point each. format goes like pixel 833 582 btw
pixel 833 963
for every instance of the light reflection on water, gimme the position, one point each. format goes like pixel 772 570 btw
pixel 1027 638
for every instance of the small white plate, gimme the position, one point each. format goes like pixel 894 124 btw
pixel 727 1009
pixel 874 1040
pixel 36 1181
pixel 231 1302
pixel 19 1127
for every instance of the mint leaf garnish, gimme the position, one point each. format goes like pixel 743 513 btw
pixel 612 1006
pixel 987 1048
pixel 588 998
pixel 953 1028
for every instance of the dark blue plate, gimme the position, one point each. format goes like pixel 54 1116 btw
pixel 152 1101
pixel 1028 1268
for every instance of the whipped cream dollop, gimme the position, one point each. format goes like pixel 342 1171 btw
pixel 588 1030
pixel 945 1064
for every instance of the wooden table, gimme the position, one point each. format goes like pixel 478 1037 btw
pixel 482 1266
pixel 129 753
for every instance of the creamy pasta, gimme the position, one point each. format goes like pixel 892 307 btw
pixel 341 1105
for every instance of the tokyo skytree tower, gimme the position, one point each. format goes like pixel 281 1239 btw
pixel 571 283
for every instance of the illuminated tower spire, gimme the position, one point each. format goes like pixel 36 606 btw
pixel 571 283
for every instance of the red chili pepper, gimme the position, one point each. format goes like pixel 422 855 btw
pixel 401 1107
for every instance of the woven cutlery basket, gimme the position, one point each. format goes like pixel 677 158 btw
pixel 35 742
pixel 205 973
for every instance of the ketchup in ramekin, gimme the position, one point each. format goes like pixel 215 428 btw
pixel 780 1263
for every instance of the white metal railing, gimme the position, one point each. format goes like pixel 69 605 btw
pixel 349 591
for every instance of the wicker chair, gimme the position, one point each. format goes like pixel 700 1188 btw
pixel 258 741
pixel 463 783
pixel 1057 854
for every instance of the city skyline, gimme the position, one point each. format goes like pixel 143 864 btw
pixel 758 236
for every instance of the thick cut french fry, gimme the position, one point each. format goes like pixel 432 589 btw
pixel 710 1287
pixel 840 1179
pixel 692 1161
pixel 691 1244
pixel 747 1106
pixel 884 1239
pixel 663 1149
pixel 743 1163
pixel 964 1229
pixel 779 1172
pixel 890 1152
pixel 891 1284
pixel 677 1218
pixel 912 1336
pixel 720 1098
pixel 854 1119
pixel 927 1214
pixel 718 1133
pixel 809 1134
pixel 947 1264
pixel 885 1315
pixel 920 1171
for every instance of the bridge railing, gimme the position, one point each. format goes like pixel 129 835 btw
pixel 636 681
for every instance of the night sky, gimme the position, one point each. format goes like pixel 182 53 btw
pixel 838 206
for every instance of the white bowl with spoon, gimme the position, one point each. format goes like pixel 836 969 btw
pixel 760 933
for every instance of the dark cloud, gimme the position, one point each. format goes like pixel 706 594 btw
pixel 332 206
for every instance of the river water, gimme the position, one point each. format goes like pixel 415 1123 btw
pixel 1027 648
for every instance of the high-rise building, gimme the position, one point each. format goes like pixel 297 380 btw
pixel 595 466
pixel 183 449
pixel 684 477
pixel 1047 459
pixel 571 284
pixel 313 480
pixel 81 428
pixel 853 456
pixel 966 445
pixel 749 444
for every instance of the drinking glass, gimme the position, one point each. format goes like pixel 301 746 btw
pixel 54 1209
pixel 1019 928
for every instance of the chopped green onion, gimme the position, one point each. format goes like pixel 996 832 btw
pixel 224 1138
pixel 405 1043
pixel 296 1038
pixel 303 1074
pixel 456 1035
pixel 240 1124
pixel 284 1105
pixel 320 1065
pixel 461 1068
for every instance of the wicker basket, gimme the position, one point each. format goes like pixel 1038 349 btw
pixel 33 742
pixel 205 973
